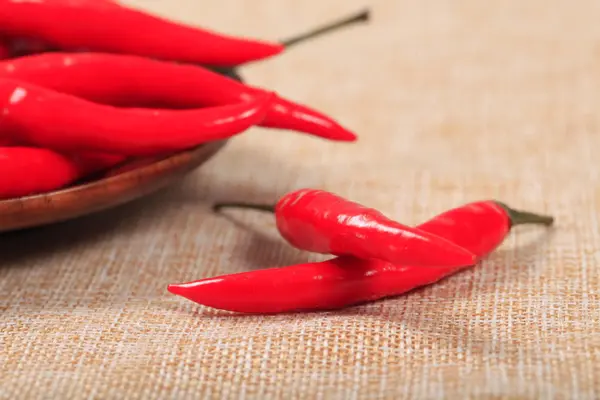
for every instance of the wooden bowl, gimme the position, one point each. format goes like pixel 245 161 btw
pixel 120 188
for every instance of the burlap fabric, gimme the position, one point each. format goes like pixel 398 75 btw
pixel 454 101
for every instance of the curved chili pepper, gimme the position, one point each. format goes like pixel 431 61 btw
pixel 322 222
pixel 123 80
pixel 344 281
pixel 46 118
pixel 109 27
pixel 26 171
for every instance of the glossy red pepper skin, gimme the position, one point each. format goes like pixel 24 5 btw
pixel 322 222
pixel 132 81
pixel 26 171
pixel 104 26
pixel 344 281
pixel 46 118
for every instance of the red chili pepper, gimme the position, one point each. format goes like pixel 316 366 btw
pixel 115 28
pixel 27 171
pixel 343 281
pixel 123 80
pixel 322 222
pixel 49 119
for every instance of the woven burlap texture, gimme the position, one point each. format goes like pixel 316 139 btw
pixel 454 101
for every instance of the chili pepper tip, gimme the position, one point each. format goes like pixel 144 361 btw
pixel 518 217
pixel 345 136
pixel 207 292
pixel 174 289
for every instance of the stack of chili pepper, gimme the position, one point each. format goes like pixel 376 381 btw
pixel 375 257
pixel 88 84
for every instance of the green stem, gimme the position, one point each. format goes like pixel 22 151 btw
pixel 260 207
pixel 363 16
pixel 518 217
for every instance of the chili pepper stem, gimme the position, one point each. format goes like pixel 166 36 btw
pixel 260 207
pixel 363 16
pixel 518 217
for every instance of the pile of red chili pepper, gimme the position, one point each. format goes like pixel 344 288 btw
pixel 375 257
pixel 86 85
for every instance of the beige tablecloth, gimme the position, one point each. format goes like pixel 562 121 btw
pixel 454 101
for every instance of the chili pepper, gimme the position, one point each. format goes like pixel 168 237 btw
pixel 344 281
pixel 27 171
pixel 322 222
pixel 115 28
pixel 49 119
pixel 123 80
